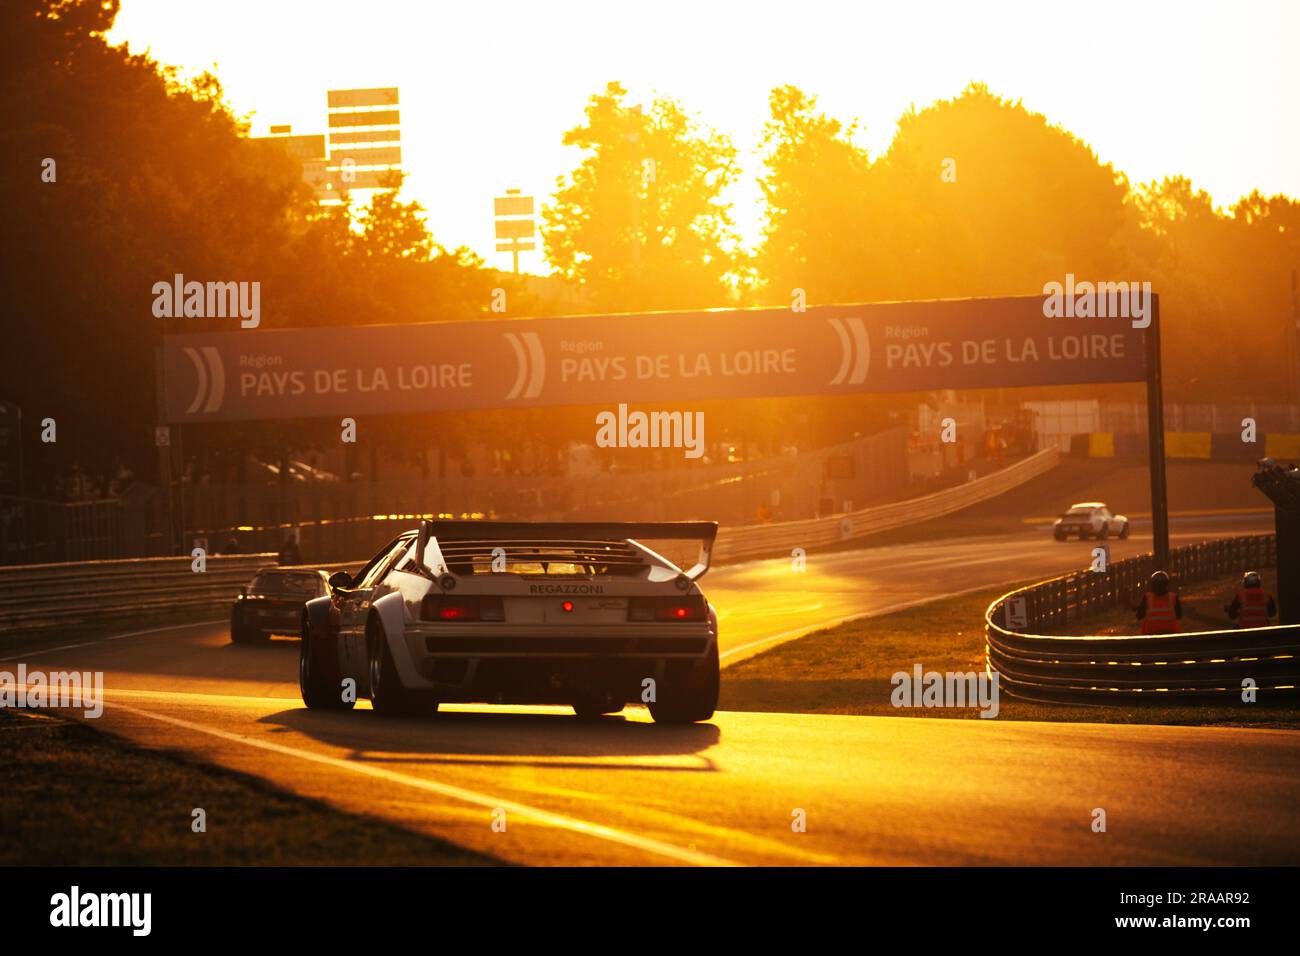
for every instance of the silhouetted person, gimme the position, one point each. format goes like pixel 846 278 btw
pixel 1160 610
pixel 1252 606
pixel 290 553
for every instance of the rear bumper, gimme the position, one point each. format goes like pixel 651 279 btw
pixel 537 665
pixel 278 625
pixel 272 620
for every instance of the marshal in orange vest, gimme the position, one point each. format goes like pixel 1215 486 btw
pixel 1252 607
pixel 1161 615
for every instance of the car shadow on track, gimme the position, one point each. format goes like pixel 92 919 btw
pixel 510 739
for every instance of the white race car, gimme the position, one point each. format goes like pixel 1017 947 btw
pixel 523 613
pixel 1090 519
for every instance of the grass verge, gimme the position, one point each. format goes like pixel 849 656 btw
pixel 74 796
pixel 847 670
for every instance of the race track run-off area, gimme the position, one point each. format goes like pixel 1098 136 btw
pixel 623 790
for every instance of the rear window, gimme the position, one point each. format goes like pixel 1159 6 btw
pixel 289 585
pixel 539 567
pixel 1079 513
pixel 549 558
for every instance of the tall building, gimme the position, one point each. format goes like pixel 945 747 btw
pixel 361 149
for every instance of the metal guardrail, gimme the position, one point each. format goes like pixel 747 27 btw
pixel 1189 666
pixel 40 597
pixel 739 544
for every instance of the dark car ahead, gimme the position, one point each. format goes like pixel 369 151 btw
pixel 272 603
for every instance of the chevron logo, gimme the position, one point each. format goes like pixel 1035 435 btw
pixel 855 348
pixel 211 378
pixel 531 361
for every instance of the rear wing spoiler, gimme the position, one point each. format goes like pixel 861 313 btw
pixel 703 531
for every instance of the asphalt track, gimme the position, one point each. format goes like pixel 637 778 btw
pixel 624 791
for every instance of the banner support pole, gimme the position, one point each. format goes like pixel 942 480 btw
pixel 1156 441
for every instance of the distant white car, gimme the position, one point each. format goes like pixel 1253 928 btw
pixel 1090 519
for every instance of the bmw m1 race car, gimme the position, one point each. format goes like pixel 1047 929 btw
pixel 580 614
pixel 272 603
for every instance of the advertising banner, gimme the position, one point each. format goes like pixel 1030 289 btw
pixel 607 359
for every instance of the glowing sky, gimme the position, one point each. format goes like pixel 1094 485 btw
pixel 1207 90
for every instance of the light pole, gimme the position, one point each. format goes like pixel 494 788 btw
pixel 11 436
pixel 1293 340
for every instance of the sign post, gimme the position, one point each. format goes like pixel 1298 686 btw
pixel 1293 340
pixel 162 441
pixel 514 224
pixel 11 449
pixel 1017 613
pixel 1282 486
pixel 1156 441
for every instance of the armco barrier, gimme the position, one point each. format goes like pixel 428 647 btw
pixel 1194 665
pixel 738 544
pixel 40 597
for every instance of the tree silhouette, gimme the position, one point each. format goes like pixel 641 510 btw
pixel 819 226
pixel 155 177
pixel 640 222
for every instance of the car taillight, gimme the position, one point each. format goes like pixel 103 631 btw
pixel 689 607
pixel 464 607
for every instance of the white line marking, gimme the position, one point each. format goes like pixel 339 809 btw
pixel 545 817
pixel 105 640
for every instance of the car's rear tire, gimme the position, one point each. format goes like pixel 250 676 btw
pixel 1104 533
pixel 595 706
pixel 692 702
pixel 1123 532
pixel 241 631
pixel 1059 535
pixel 387 695
pixel 317 679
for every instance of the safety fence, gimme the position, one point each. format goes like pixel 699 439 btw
pixel 739 544
pixel 32 530
pixel 1092 669
pixel 40 597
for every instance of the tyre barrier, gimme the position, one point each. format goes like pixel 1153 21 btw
pixel 1199 665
